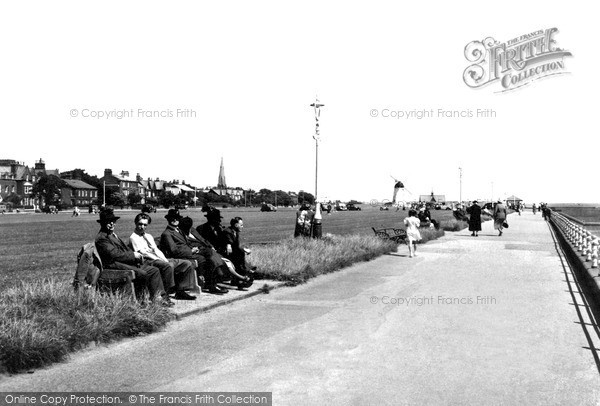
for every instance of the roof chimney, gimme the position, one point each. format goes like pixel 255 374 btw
pixel 40 165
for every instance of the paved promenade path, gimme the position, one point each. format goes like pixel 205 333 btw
pixel 471 320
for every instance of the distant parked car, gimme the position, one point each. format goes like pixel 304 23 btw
pixel 148 208
pixel 353 207
pixel 340 207
pixel 50 209
pixel 386 206
pixel 268 207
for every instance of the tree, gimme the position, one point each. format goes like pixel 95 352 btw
pixel 133 198
pixel 264 196
pixel 116 199
pixel 47 189
pixel 305 197
pixel 14 198
pixel 152 200
pixel 283 199
pixel 166 199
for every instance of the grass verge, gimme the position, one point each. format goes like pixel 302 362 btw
pixel 454 225
pixel 428 234
pixel 457 225
pixel 42 322
pixel 299 259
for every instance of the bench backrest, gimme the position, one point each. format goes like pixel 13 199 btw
pixel 89 266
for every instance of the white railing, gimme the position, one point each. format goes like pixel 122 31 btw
pixel 583 241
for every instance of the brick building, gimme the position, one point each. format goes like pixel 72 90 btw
pixel 75 192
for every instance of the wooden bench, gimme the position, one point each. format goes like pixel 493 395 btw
pixel 91 274
pixel 397 235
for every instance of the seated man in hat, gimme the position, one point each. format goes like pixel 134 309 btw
pixel 175 244
pixel 196 240
pixel 115 254
pixel 211 230
pixel 181 271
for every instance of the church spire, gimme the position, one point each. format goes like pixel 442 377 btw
pixel 221 183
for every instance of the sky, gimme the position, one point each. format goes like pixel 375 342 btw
pixel 235 80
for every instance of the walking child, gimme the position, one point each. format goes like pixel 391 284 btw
pixel 413 235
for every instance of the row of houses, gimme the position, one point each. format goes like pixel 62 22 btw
pixel 16 178
pixel 151 188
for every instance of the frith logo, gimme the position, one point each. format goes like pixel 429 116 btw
pixel 515 63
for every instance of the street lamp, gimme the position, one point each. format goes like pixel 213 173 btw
pixel 460 187
pixel 317 107
pixel 317 226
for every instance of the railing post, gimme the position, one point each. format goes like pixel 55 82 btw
pixel 588 246
pixel 595 253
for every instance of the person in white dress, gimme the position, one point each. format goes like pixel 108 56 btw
pixel 412 224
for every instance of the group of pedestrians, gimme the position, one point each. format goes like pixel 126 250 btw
pixel 216 254
pixel 499 215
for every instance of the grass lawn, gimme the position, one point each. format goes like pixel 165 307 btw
pixel 39 246
pixel 42 319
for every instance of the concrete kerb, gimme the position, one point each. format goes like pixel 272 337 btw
pixel 588 275
pixel 185 309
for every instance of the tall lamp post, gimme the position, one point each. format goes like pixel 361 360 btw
pixel 460 184
pixel 317 107
pixel 317 219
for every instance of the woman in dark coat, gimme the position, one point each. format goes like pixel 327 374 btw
pixel 475 220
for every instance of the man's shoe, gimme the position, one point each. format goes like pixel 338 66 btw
pixel 181 295
pixel 215 290
pixel 167 302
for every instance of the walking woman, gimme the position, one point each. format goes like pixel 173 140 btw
pixel 499 217
pixel 475 220
pixel 413 235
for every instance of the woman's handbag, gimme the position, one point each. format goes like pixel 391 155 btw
pixel 505 224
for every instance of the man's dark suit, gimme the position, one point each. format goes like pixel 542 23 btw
pixel 115 254
pixel 212 234
pixel 176 245
pixel 205 248
pixel 238 255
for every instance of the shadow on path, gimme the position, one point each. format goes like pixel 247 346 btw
pixel 576 290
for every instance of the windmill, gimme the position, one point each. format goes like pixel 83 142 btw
pixel 397 186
